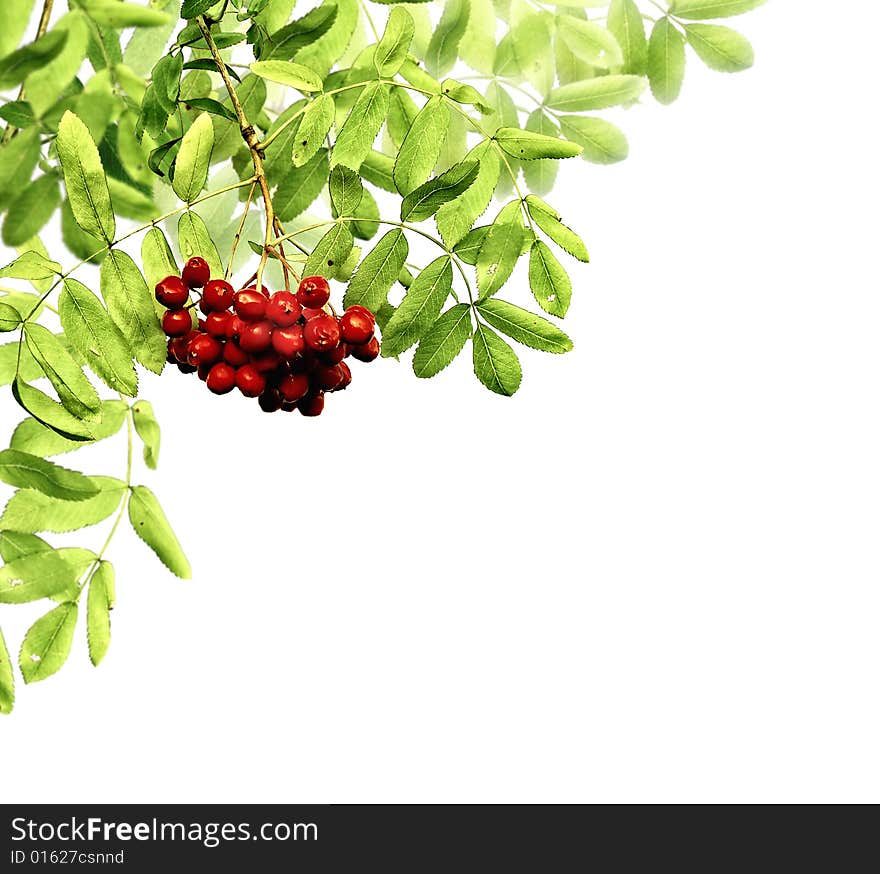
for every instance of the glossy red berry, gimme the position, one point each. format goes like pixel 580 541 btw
pixel 235 326
pixel 172 292
pixel 356 328
pixel 218 295
pixel 267 362
pixel 270 401
pixel 256 336
pixel 217 324
pixel 357 308
pixel 204 349
pixel 310 313
pixel 179 348
pixel 250 305
pixel 327 378
pixel 346 377
pixel 334 356
pixel 221 378
pixel 283 309
pixel 177 323
pixel 234 355
pixel 287 342
pixel 368 352
pixel 203 371
pixel 321 333
pixel 294 387
pixel 313 291
pixel 196 272
pixel 251 383
pixel 312 405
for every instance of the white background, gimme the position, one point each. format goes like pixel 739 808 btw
pixel 651 576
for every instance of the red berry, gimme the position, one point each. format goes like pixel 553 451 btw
pixel 288 407
pixel 267 362
pixel 346 377
pixel 283 309
pixel 186 368
pixel 327 378
pixel 357 308
pixel 312 405
pixel 287 342
pixel 313 291
pixel 177 323
pixel 368 352
pixel 218 295
pixel 294 387
pixel 310 313
pixel 172 292
pixel 270 401
pixel 221 379
pixel 256 336
pixel 234 355
pixel 204 350
pixel 251 383
pixel 356 328
pixel 334 356
pixel 250 305
pixel 235 326
pixel 179 348
pixel 204 370
pixel 196 272
pixel 217 324
pixel 321 333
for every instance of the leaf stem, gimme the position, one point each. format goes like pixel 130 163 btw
pixel 238 233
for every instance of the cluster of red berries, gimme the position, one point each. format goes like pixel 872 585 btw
pixel 281 348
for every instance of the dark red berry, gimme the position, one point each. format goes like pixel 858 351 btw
pixel 221 379
pixel 346 377
pixel 217 324
pixel 177 323
pixel 356 328
pixel 294 387
pixel 270 401
pixel 287 342
pixel 327 378
pixel 267 363
pixel 321 333
pixel 218 295
pixel 288 406
pixel 250 305
pixel 312 405
pixel 256 336
pixel 251 383
pixel 196 272
pixel 179 348
pixel 283 309
pixel 186 368
pixel 203 371
pixel 172 292
pixel 313 291
pixel 235 326
pixel 204 350
pixel 310 313
pixel 234 355
pixel 367 352
pixel 334 356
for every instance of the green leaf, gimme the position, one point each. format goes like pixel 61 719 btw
pixel 301 186
pixel 212 107
pixel 528 145
pixel 91 331
pixel 313 129
pixel 601 141
pixel 548 280
pixel 525 327
pixel 443 342
pixel 495 363
pixel 31 265
pixel 16 14
pixel 7 679
pixel 157 257
pixel 251 93
pixel 18 158
pixel 14 544
pixel 74 390
pixel 477 47
pixel 698 10
pixel 468 247
pixel 625 22
pixel 30 211
pixel 500 249
pixel 666 61
pixel 36 576
pixel 378 272
pixel 600 93
pixel 29 511
pixel 11 363
pixel 194 239
pixel 287 73
pixel 302 32
pixel 47 643
pixel 590 42
pixel 467 95
pixel 321 53
pixel 210 65
pixel 428 198
pixel 328 257
pixel 419 308
pixel 112 13
pixel 31 436
pixel 346 190
pixel 27 471
pixel 18 113
pixel 379 170
pixel 84 178
pixel 100 601
pixel 46 83
pixel 359 131
pixel 540 176
pixel 720 48
pixel 151 525
pixel 194 8
pixel 421 146
pixel 148 430
pixel 443 47
pixel 10 320
pixel 392 49
pixel 367 225
pixel 526 51
pixel 132 309
pixel 194 159
pixel 16 67
pixel 50 412
pixel 550 222
pixel 455 218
